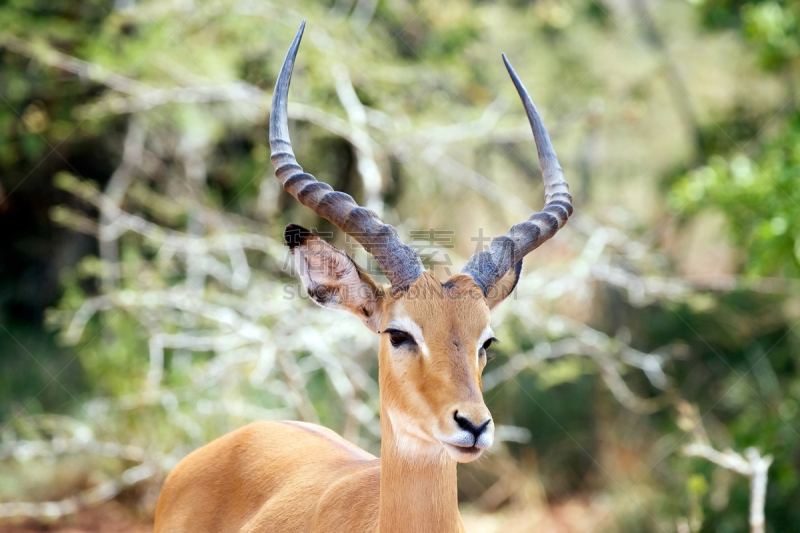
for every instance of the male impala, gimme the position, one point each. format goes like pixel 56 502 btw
pixel 294 476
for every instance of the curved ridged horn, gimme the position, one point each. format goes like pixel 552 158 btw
pixel 487 267
pixel 399 262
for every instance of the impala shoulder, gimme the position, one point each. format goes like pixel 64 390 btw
pixel 325 436
pixel 351 503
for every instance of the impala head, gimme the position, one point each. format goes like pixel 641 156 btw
pixel 434 335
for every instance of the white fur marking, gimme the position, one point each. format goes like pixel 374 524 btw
pixel 410 439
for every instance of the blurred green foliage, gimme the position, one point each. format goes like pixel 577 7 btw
pixel 753 184
pixel 770 25
pixel 759 196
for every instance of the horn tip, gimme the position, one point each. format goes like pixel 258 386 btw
pixel 507 62
pixel 301 30
pixel 511 71
pixel 298 36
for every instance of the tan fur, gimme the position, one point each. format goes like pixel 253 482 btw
pixel 296 477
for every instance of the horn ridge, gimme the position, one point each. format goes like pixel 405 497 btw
pixel 401 263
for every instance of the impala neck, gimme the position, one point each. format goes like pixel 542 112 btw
pixel 418 492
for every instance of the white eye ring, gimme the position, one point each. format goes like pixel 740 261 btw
pixel 409 327
pixel 398 337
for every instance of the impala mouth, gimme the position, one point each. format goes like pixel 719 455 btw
pixel 465 449
pixel 465 446
pixel 463 454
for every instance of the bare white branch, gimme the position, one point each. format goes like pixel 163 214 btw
pixel 365 148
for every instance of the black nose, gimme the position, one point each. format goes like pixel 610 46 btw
pixel 467 425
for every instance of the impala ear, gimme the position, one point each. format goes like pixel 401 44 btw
pixel 504 286
pixel 331 278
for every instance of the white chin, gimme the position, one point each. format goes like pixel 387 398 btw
pixel 462 454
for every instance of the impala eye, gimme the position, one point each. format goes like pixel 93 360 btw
pixel 397 337
pixel 486 346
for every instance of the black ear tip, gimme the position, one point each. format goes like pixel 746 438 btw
pixel 295 235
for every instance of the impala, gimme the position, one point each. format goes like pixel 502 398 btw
pixel 294 476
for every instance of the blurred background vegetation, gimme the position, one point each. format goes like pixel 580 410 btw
pixel 649 369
